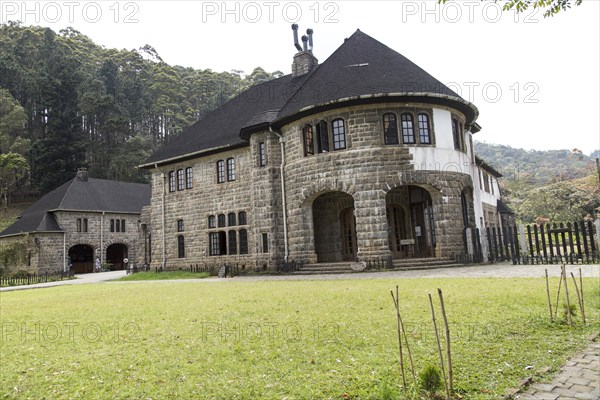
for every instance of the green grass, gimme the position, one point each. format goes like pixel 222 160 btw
pixel 153 276
pixel 274 339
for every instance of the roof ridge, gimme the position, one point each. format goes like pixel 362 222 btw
pixel 309 74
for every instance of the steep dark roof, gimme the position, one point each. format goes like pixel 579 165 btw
pixel 93 195
pixel 361 70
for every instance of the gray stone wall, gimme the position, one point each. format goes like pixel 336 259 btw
pixel 365 175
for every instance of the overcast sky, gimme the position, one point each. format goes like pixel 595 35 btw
pixel 535 80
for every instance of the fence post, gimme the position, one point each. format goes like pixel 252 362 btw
pixel 597 225
pixel 469 242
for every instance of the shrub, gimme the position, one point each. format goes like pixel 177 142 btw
pixel 430 380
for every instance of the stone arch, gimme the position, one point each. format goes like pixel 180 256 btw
pixel 315 189
pixel 116 253
pixel 81 258
pixel 334 227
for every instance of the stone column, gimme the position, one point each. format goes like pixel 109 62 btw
pixel 447 212
pixel 371 225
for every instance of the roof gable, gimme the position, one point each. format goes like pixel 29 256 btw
pixel 361 69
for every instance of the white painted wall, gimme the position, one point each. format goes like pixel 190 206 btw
pixel 442 157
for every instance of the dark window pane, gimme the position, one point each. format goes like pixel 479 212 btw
pixel 180 226
pixel 265 243
pixel 242 218
pixel 243 241
pixel 309 146
pixel 232 242
pixel 231 219
pixel 221 220
pixel 180 246
pixel 390 128
pixel 212 221
pixel 322 137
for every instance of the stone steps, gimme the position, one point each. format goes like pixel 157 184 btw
pixel 398 265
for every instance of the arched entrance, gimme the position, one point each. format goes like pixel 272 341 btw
pixel 411 222
pixel 81 258
pixel 334 227
pixel 115 254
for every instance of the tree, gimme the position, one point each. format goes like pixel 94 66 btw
pixel 13 167
pixel 550 7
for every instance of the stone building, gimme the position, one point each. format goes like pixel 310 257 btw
pixel 80 221
pixel 362 157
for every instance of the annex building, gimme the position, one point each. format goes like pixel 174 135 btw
pixel 82 220
pixel 364 156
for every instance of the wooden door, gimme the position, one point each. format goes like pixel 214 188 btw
pixel 348 226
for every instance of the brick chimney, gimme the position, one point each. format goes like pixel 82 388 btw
pixel 82 174
pixel 304 60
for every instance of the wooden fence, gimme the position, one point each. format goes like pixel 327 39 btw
pixel 572 243
pixel 30 279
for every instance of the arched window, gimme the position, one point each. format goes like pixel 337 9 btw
pixel 180 180
pixel 232 242
pixel 243 241
pixel 307 137
pixel 456 134
pixel 322 137
pixel 180 225
pixel 408 131
pixel 212 221
pixel 221 220
pixel 242 218
pixel 424 129
pixel 180 246
pixel 390 128
pixel 339 134
pixel 189 177
pixel 171 181
pixel 231 219
pixel 230 169
pixel 220 171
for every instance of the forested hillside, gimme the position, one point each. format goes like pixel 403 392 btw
pixel 561 185
pixel 66 103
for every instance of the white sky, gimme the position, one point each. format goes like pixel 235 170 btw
pixel 535 80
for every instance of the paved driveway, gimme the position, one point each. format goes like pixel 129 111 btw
pixel 501 270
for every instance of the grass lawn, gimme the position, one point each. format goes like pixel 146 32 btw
pixel 274 339
pixel 153 276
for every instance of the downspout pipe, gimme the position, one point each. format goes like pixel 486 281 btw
pixel 283 202
pixel 163 224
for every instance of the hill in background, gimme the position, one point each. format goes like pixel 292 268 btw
pixel 562 185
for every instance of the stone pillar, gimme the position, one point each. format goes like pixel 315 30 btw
pixel 371 225
pixel 447 212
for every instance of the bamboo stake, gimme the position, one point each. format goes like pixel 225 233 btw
pixel 548 293
pixel 437 338
pixel 582 301
pixel 558 293
pixel 412 366
pixel 570 319
pixel 399 328
pixel 447 340
pixel 578 298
